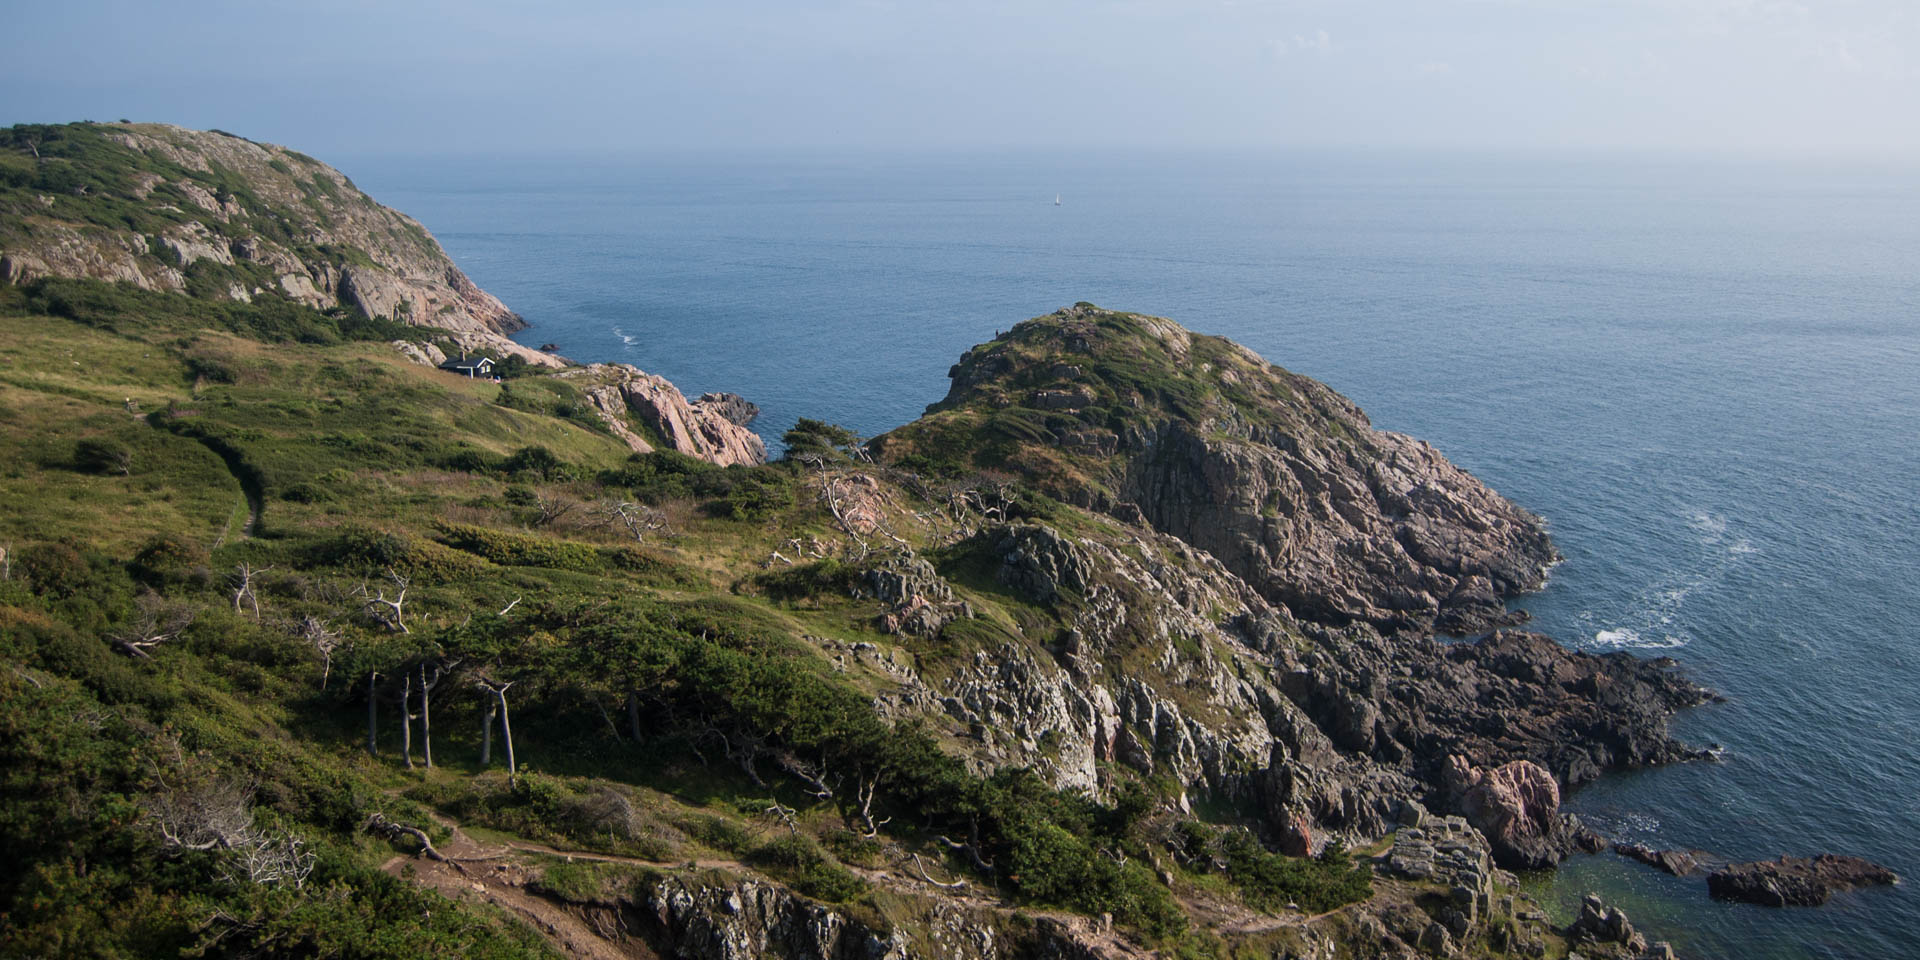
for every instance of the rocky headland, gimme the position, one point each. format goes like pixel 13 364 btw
pixel 214 215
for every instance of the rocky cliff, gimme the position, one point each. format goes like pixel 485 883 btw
pixel 1255 616
pixel 712 428
pixel 1281 478
pixel 217 216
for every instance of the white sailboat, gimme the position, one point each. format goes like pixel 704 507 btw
pixel 1056 199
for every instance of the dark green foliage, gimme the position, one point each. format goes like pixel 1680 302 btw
pixel 821 577
pixel 537 462
pixel 269 317
pixel 663 475
pixel 719 833
pixel 816 441
pixel 520 550
pixel 167 560
pixel 369 552
pixel 1270 881
pixel 756 493
pixel 798 860
pixel 102 455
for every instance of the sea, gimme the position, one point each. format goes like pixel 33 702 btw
pixel 1704 372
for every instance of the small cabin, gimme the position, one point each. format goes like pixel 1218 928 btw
pixel 471 366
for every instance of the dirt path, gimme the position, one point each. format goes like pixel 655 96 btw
pixel 473 872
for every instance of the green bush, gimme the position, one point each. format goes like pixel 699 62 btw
pixel 719 833
pixel 165 560
pixel 798 860
pixel 370 552
pixel 519 550
pixel 102 455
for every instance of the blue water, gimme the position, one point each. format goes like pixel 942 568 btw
pixel 1706 376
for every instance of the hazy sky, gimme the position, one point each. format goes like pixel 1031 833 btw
pixel 394 76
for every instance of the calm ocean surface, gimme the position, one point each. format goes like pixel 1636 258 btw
pixel 1706 377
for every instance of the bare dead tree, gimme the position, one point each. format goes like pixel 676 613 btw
pixel 217 815
pixel 863 791
pixel 388 613
pixel 508 608
pixel 373 713
pixel 638 519
pixel 6 562
pixel 972 849
pixel 806 773
pixel 155 621
pixel 324 639
pixel 837 503
pixel 486 730
pixel 242 581
pixel 499 692
pixel 407 716
pixel 785 815
pixel 430 676
pixel 547 510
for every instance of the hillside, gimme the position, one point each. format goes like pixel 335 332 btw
pixel 217 216
pixel 310 649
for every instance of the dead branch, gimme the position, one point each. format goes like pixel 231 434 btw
pixel 955 885
pixel 379 825
pixel 242 580
pixel 864 792
pixel 324 639
pixel 972 850
pixel 388 613
pixel 806 773
pixel 547 510
pixel 785 815
pixel 155 622
pixel 638 518
pixel 509 607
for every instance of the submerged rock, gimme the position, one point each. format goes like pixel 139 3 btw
pixel 1680 863
pixel 1796 881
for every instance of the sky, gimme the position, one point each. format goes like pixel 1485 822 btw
pixel 740 76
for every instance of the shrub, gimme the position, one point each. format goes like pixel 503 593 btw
pixel 101 455
pixel 367 551
pixel 519 550
pixel 798 860
pixel 166 560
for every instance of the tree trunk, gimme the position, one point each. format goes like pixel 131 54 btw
pixel 506 732
pixel 406 720
pixel 426 718
pixel 486 732
pixel 633 715
pixel 373 717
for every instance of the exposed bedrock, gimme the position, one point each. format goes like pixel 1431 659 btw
pixel 705 429
pixel 1389 533
pixel 1796 881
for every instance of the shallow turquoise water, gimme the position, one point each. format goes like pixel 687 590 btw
pixel 1707 378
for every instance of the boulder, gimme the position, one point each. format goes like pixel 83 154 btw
pixel 1599 923
pixel 1296 837
pixel 1517 806
pixel 1796 881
